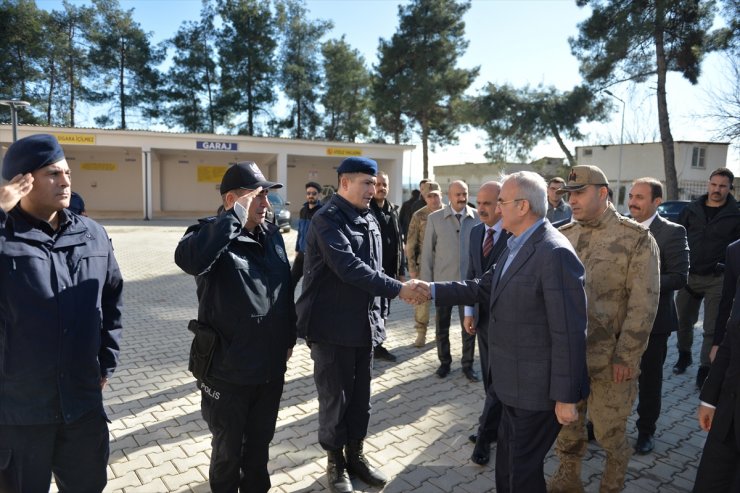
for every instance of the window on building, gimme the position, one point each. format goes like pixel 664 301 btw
pixel 698 155
pixel 588 152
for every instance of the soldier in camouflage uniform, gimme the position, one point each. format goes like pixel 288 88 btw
pixel 623 289
pixel 432 194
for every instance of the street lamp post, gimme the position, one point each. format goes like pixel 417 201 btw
pixel 14 105
pixel 621 145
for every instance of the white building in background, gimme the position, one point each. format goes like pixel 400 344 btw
pixel 694 162
pixel 160 173
pixel 475 174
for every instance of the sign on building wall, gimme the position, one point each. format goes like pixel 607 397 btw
pixel 208 145
pixel 344 152
pixel 98 166
pixel 78 139
pixel 211 174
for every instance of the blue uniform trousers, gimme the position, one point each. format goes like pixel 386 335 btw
pixel 342 375
pixel 76 453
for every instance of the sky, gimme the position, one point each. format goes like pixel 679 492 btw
pixel 520 42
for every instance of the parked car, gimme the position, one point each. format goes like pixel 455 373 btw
pixel 278 212
pixel 671 209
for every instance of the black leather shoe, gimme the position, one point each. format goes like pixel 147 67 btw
pixel 474 438
pixel 471 375
pixel 481 452
pixel 443 370
pixel 645 443
pixel 383 353
pixel 336 471
pixel 684 361
pixel 701 375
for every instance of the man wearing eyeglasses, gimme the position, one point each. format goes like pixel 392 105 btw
pixel 623 290
pixel 536 332
pixel 312 204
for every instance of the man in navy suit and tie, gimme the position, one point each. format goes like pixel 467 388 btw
pixel 644 198
pixel 487 241
pixel 537 332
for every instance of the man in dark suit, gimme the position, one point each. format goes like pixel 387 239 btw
pixel 487 241
pixel 644 198
pixel 732 273
pixel 537 332
pixel 719 414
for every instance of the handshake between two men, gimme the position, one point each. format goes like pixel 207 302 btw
pixel 415 292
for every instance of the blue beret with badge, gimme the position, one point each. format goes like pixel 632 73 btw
pixel 358 165
pixel 31 153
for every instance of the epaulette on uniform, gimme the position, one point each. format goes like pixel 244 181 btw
pixel 632 224
pixel 565 227
pixel 332 209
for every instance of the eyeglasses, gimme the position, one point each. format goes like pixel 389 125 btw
pixel 311 193
pixel 500 202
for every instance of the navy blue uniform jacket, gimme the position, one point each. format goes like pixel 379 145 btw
pixel 343 279
pixel 60 319
pixel 537 335
pixel 245 294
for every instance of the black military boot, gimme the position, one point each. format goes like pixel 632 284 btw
pixel 357 465
pixel 336 472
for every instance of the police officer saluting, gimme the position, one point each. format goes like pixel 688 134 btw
pixel 246 327
pixel 60 324
pixel 340 317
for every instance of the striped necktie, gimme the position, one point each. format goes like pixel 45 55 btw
pixel 488 243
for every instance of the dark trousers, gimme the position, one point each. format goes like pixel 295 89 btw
pixel 719 468
pixel 242 424
pixel 342 375
pixel 651 383
pixel 524 439
pixel 296 272
pixel 490 417
pixel 76 453
pixel 444 315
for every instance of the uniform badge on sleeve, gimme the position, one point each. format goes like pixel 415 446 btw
pixel 281 253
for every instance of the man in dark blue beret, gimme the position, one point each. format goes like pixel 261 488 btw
pixel 340 317
pixel 60 318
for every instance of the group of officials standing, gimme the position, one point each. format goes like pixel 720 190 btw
pixel 568 321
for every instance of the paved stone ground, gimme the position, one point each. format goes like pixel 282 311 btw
pixel 418 430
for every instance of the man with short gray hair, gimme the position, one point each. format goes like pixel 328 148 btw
pixel 537 332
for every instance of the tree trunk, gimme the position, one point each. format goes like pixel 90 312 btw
pixel 425 146
pixel 562 145
pixel 71 82
pixel 121 85
pixel 50 97
pixel 671 180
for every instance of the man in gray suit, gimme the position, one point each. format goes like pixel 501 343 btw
pixel 644 198
pixel 537 332
pixel 487 241
pixel 444 257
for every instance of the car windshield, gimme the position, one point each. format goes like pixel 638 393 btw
pixel 275 199
pixel 671 206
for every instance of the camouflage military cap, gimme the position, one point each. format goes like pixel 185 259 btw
pixel 582 176
pixel 432 187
